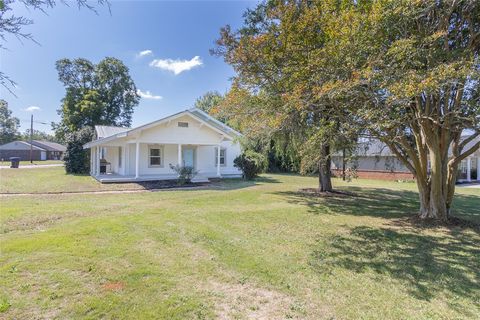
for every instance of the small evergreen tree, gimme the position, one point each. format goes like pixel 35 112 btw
pixel 77 160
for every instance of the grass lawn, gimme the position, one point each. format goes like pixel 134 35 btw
pixel 28 163
pixel 53 179
pixel 239 250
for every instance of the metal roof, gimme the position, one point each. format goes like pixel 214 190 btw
pixel 107 131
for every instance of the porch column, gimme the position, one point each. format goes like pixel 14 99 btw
pixel 97 162
pixel 179 159
pixel 478 168
pixel 137 158
pixel 469 169
pixel 218 160
pixel 92 161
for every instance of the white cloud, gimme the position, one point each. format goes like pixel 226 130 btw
pixel 144 53
pixel 32 109
pixel 176 66
pixel 148 95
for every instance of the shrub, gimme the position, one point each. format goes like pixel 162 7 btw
pixel 77 160
pixel 351 173
pixel 185 173
pixel 251 163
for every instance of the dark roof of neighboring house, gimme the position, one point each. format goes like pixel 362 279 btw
pixel 20 145
pixel 49 146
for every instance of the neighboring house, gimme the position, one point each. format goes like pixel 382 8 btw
pixel 41 150
pixel 188 138
pixel 54 150
pixel 373 159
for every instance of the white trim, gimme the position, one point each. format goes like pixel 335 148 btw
pixel 179 155
pixel 137 159
pixel 478 168
pixel 219 147
pixel 224 156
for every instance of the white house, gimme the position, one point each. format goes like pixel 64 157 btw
pixel 188 138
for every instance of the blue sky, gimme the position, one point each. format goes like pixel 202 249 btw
pixel 171 75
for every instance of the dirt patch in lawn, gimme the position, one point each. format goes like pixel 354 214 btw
pixel 113 286
pixel 246 301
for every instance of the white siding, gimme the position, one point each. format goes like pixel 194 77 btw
pixel 204 159
pixel 170 133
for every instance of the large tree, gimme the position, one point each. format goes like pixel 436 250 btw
pixel 413 67
pixel 275 56
pixel 96 94
pixel 8 124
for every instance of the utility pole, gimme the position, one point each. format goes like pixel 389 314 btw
pixel 31 139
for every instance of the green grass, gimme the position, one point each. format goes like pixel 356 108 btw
pixel 239 250
pixel 52 179
pixel 28 163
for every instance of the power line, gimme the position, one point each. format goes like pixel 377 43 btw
pixel 41 122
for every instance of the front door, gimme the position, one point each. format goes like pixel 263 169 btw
pixel 188 157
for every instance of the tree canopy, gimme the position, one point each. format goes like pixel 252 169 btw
pixel 96 94
pixel 406 72
pixel 8 124
pixel 208 101
pixel 14 25
pixel 275 56
pixel 413 69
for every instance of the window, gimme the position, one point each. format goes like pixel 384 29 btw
pixel 223 156
pixel 155 158
pixel 103 152
pixel 463 166
pixel 119 157
pixel 183 124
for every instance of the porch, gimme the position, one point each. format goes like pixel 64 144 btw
pixel 469 169
pixel 149 161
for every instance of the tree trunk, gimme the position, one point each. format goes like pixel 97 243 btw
pixel 433 192
pixel 324 173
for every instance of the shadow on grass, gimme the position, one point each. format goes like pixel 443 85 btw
pixel 215 184
pixel 380 202
pixel 435 262
pixel 366 202
pixel 429 265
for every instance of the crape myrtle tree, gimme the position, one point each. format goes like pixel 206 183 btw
pixel 413 68
pixel 277 58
